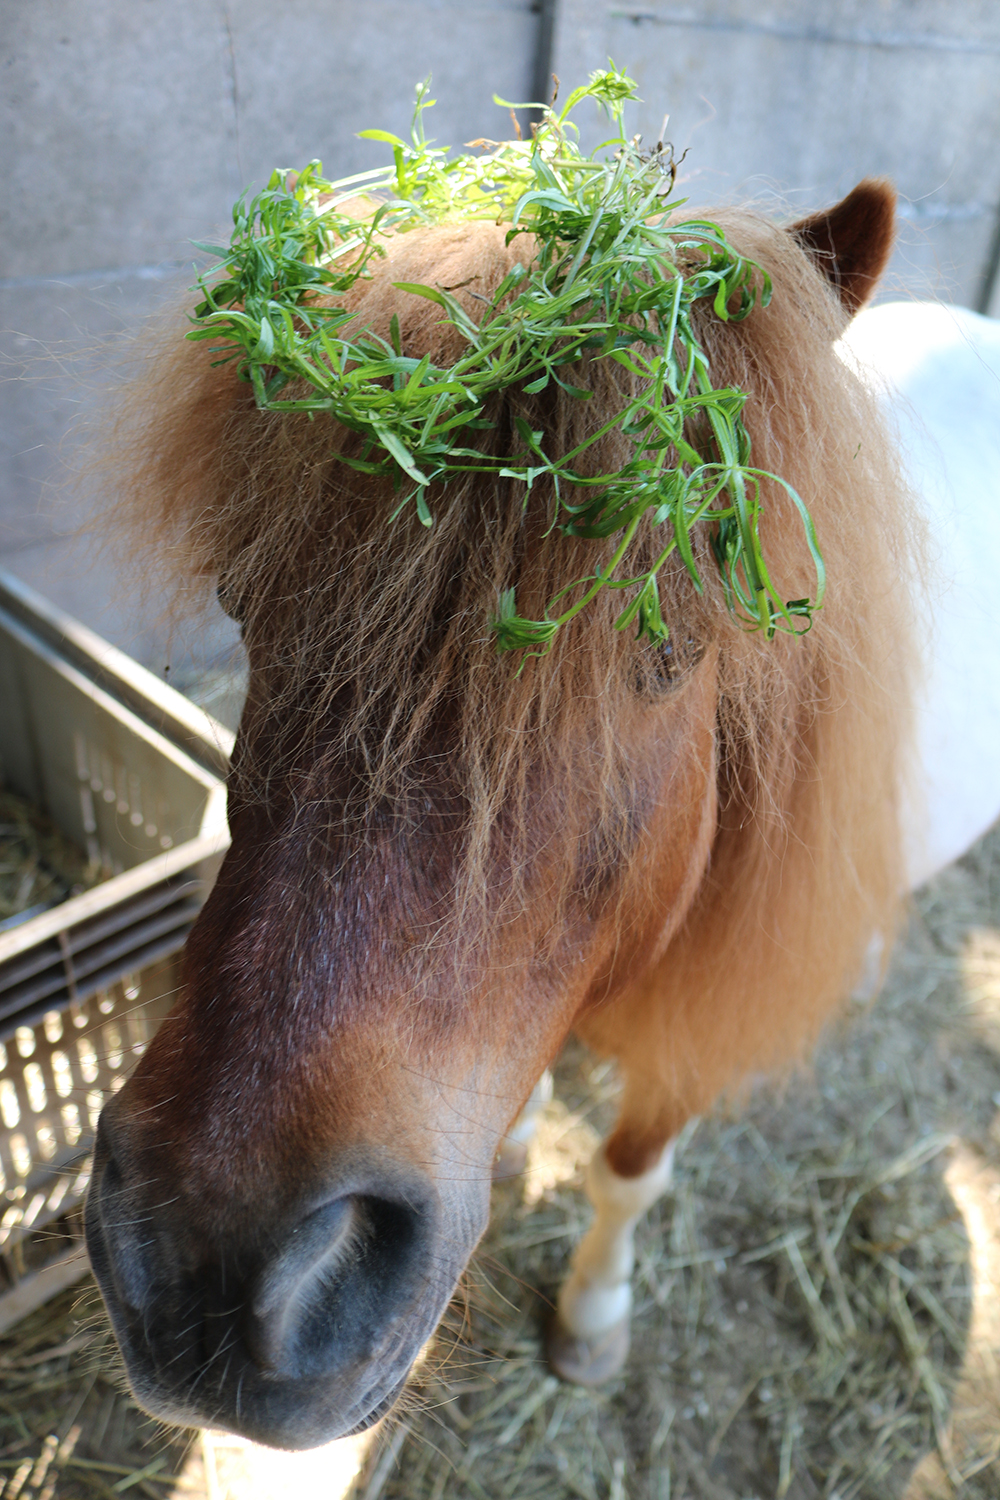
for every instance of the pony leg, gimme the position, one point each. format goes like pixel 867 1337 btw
pixel 512 1156
pixel 588 1337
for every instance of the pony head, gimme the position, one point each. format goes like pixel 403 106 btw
pixel 444 859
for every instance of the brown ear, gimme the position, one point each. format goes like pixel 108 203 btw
pixel 851 242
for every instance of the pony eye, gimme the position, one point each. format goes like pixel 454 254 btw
pixel 666 667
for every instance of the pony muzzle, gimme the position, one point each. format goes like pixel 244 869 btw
pixel 296 1326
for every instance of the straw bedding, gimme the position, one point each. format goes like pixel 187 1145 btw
pixel 39 866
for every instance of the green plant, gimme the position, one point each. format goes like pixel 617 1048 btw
pixel 614 276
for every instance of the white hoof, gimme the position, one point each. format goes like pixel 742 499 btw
pixel 587 1361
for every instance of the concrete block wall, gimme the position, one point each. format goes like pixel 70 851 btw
pixel 790 102
pixel 131 125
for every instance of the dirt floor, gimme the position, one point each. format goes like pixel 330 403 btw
pixel 817 1300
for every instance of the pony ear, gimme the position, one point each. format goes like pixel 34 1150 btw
pixel 851 242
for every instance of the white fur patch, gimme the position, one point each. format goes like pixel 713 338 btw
pixel 597 1293
pixel 937 370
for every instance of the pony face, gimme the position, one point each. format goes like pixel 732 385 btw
pixel 442 863
pixel 306 1146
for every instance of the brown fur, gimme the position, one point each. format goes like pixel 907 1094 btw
pixel 372 662
pixel 851 242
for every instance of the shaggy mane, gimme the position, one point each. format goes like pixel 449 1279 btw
pixel 373 636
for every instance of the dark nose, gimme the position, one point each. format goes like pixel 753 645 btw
pixel 118 1237
pixel 300 1326
pixel 340 1270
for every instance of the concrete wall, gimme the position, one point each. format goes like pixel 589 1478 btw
pixel 131 125
pixel 792 101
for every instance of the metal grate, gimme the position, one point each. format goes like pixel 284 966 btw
pixel 68 967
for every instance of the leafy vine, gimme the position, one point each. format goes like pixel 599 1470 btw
pixel 615 275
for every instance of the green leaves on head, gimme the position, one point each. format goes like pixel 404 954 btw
pixel 611 278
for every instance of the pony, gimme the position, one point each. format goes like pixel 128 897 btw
pixel 444 860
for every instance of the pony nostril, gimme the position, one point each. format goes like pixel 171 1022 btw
pixel 321 1297
pixel 288 1286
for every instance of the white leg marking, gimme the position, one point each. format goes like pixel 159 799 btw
pixel 597 1294
pixel 523 1129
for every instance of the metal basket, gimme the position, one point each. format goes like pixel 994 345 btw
pixel 133 774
